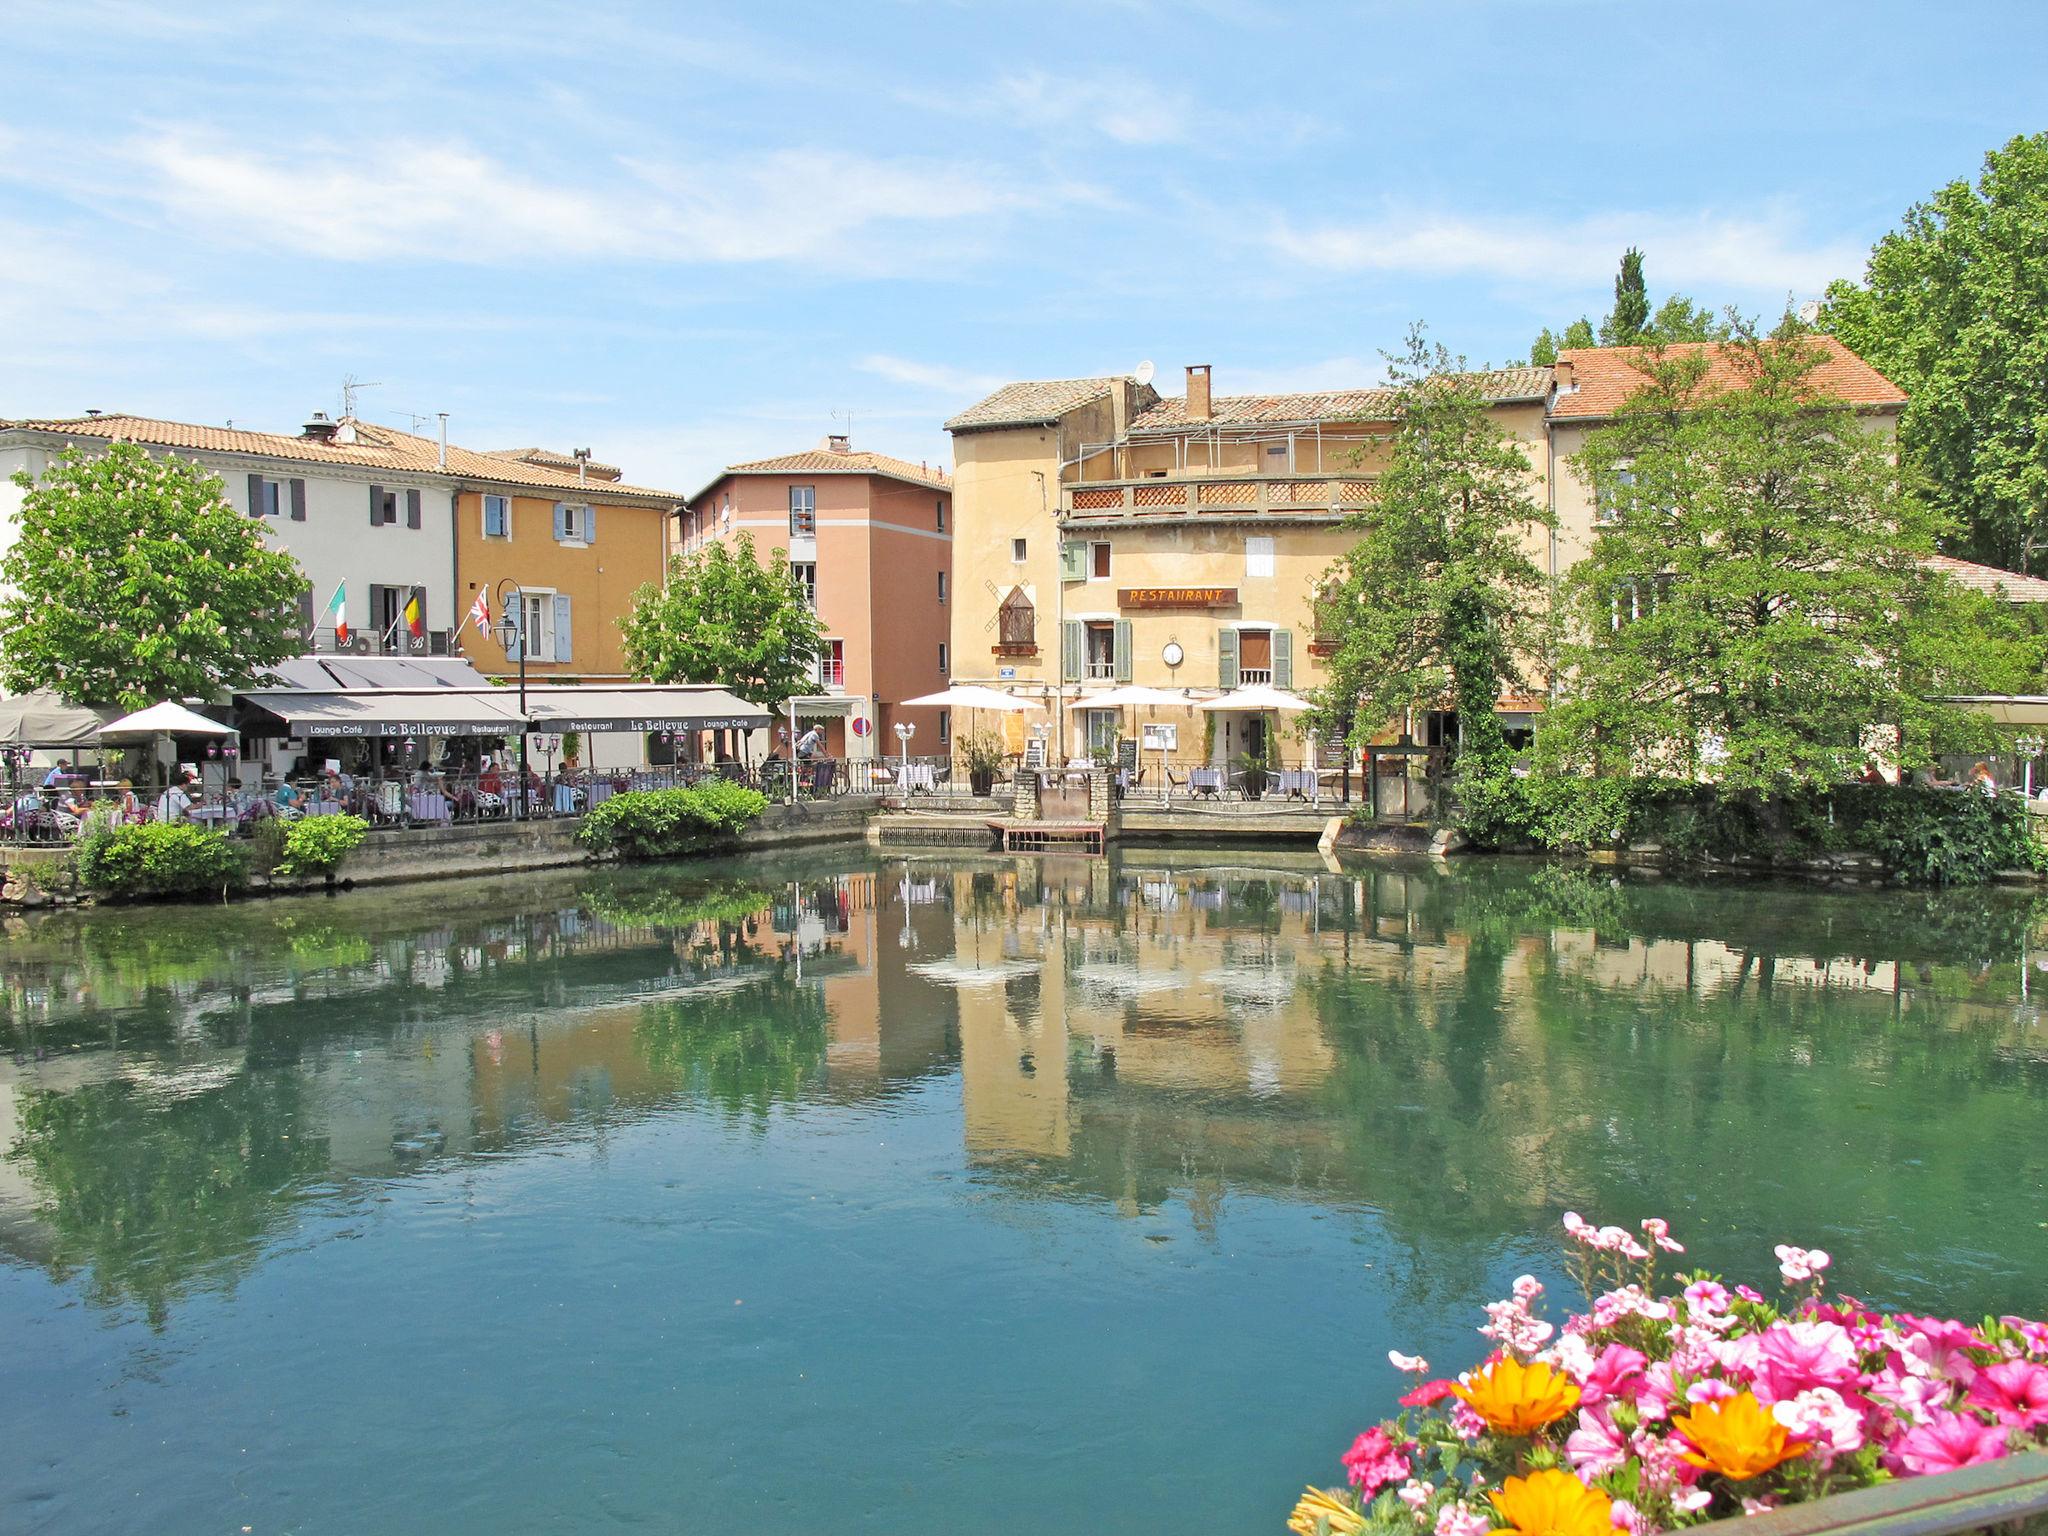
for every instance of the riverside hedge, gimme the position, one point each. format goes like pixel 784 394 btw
pixel 661 823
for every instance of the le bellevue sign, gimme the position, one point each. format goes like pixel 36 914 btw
pixel 1188 599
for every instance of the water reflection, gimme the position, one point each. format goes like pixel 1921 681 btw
pixel 1460 1053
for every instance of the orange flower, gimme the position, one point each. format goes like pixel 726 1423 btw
pixel 1519 1399
pixel 1553 1503
pixel 1316 1505
pixel 1736 1437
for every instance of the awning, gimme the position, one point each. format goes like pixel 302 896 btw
pixel 639 708
pixel 824 706
pixel 43 719
pixel 388 713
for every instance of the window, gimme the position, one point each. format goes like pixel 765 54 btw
pixel 1254 656
pixel 1101 660
pixel 537 626
pixel 832 665
pixel 1017 622
pixel 497 517
pixel 1258 555
pixel 942 586
pixel 942 655
pixel 383 507
pixel 1615 497
pixel 940 511
pixel 1098 562
pixel 574 524
pixel 267 497
pixel 945 726
pixel 1017 550
pixel 276 498
pixel 803 511
pixel 805 574
pixel 1634 601
pixel 726 511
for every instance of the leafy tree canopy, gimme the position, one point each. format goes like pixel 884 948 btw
pixel 1953 308
pixel 1758 595
pixel 723 617
pixel 1630 322
pixel 131 579
pixel 1624 324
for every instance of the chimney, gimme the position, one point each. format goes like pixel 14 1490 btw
pixel 442 461
pixel 1563 371
pixel 92 410
pixel 839 442
pixel 318 429
pixel 582 457
pixel 1198 392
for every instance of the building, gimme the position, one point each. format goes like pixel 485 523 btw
pixel 869 539
pixel 399 517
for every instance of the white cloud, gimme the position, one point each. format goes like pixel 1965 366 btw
pixel 935 378
pixel 1123 107
pixel 1708 253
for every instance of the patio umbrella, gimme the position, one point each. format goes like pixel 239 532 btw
pixel 1135 696
pixel 972 696
pixel 1259 698
pixel 159 722
pixel 43 718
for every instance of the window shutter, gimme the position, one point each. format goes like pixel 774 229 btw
pixel 561 521
pixel 298 501
pixel 1120 645
pixel 306 615
pixel 562 627
pixel 1283 658
pixel 376 505
pixel 590 525
pixel 1072 638
pixel 255 495
pixel 412 508
pixel 1226 658
pixel 1073 561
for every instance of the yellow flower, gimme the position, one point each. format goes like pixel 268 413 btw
pixel 1341 1518
pixel 1519 1399
pixel 1736 1437
pixel 1553 1503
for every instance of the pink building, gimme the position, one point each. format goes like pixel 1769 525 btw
pixel 870 539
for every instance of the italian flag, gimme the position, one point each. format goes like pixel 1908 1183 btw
pixel 337 612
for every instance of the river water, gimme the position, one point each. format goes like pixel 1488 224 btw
pixel 931 1195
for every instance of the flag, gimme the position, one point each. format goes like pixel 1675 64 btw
pixel 337 612
pixel 415 621
pixel 480 613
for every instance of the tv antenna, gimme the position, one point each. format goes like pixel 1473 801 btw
pixel 846 416
pixel 349 385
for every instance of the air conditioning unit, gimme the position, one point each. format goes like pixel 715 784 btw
pixel 360 644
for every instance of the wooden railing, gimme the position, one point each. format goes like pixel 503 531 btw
pixel 1221 495
pixel 2011 1494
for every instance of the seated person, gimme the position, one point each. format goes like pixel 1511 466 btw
pixel 289 797
pixel 175 803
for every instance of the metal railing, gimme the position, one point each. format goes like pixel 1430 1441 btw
pixel 1199 495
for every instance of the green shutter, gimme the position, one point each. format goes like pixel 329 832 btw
pixel 1120 645
pixel 1073 561
pixel 1283 658
pixel 1073 641
pixel 1226 658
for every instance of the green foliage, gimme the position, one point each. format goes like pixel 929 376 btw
pixel 723 617
pixel 1630 322
pixel 727 901
pixel 1624 324
pixel 267 836
pixel 1758 595
pixel 132 579
pixel 1953 308
pixel 1439 598
pixel 159 859
pixel 981 752
pixel 318 845
pixel 660 823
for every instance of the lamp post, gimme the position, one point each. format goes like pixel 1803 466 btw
pixel 512 638
pixel 905 729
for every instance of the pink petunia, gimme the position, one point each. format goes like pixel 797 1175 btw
pixel 1627 1517
pixel 1617 1373
pixel 1658 1230
pixel 1941 1344
pixel 1748 1294
pixel 2016 1391
pixel 1797 1264
pixel 1415 1494
pixel 1527 1288
pixel 1426 1394
pixel 1822 1417
pixel 2034 1334
pixel 1709 1389
pixel 1458 1518
pixel 1595 1447
pixel 1949 1441
pixel 1795 1356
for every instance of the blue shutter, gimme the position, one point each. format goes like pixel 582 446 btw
pixel 590 525
pixel 561 521
pixel 561 627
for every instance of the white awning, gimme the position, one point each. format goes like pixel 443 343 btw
pixel 390 713
pixel 638 707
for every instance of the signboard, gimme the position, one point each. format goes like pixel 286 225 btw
pixel 1007 674
pixel 861 726
pixel 398 730
pixel 1162 738
pixel 1176 599
pixel 1126 753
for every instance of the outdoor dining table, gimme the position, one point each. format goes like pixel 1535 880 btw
pixel 429 805
pixel 208 813
pixel 600 791
pixel 918 776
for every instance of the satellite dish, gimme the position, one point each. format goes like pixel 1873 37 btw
pixel 1144 371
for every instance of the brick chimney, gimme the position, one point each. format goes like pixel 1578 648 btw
pixel 319 429
pixel 1562 370
pixel 839 442
pixel 1198 392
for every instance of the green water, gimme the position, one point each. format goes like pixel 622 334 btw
pixel 948 1194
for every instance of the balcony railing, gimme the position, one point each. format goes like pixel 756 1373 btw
pixel 1220 496
pixel 435 642
pixel 1102 668
pixel 1246 676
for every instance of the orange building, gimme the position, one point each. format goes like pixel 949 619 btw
pixel 578 547
pixel 870 540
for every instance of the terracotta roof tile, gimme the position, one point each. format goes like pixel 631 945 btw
pixel 827 461
pixel 1607 376
pixel 1990 580
pixel 1030 402
pixel 375 447
pixel 547 458
pixel 1170 415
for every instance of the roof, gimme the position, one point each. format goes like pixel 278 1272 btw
pixel 1606 376
pixel 375 447
pixel 1031 403
pixel 1500 386
pixel 547 458
pixel 346 670
pixel 1990 580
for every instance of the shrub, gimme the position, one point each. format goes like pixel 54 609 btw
pixel 158 859
pixel 317 845
pixel 659 823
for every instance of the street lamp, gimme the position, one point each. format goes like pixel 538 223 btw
pixel 511 628
pixel 904 731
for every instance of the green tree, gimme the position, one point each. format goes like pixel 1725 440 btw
pixel 131 579
pixel 1438 601
pixel 1953 308
pixel 723 617
pixel 1547 345
pixel 1624 324
pixel 1758 595
pixel 1679 319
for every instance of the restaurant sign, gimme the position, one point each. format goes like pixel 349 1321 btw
pixel 1181 599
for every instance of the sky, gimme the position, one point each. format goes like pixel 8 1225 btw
pixel 684 236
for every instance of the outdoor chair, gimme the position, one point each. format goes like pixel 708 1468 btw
pixel 1206 782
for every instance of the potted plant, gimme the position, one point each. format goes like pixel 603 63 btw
pixel 983 757
pixel 572 750
pixel 1252 770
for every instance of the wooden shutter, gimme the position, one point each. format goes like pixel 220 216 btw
pixel 1073 643
pixel 255 495
pixel 1283 658
pixel 306 615
pixel 412 508
pixel 590 525
pixel 298 501
pixel 1073 561
pixel 1226 658
pixel 376 505
pixel 561 521
pixel 562 648
pixel 1120 646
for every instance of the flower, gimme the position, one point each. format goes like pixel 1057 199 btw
pixel 2014 1390
pixel 1316 1505
pixel 1797 1264
pixel 1794 1356
pixel 1658 1230
pixel 1519 1399
pixel 1458 1518
pixel 1415 1494
pixel 1375 1460
pixel 1737 1438
pixel 1707 1297
pixel 1553 1503
pixel 1627 1517
pixel 1939 1344
pixel 1403 1362
pixel 1946 1442
pixel 1617 1373
pixel 1426 1394
pixel 1823 1417
pixel 1527 1288
pixel 1596 1447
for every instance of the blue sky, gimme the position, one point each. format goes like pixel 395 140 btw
pixel 688 235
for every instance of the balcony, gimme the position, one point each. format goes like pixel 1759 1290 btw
pixel 1317 498
pixel 1246 676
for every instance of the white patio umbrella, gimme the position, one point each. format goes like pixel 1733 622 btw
pixel 1261 698
pixel 972 696
pixel 1135 696
pixel 159 722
